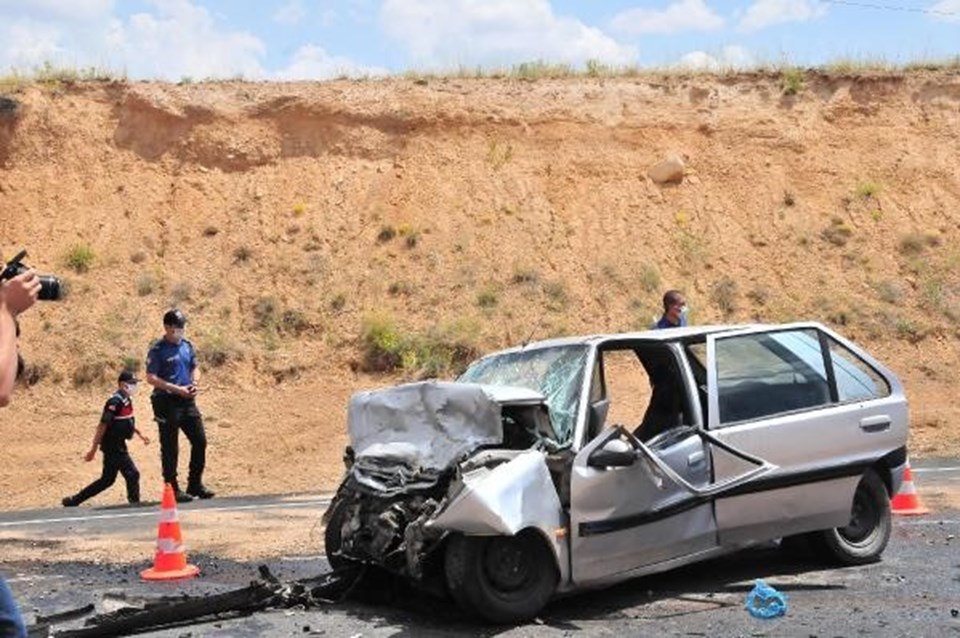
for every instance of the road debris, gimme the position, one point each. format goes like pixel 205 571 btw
pixel 268 592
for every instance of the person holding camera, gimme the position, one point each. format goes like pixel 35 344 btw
pixel 117 424
pixel 172 371
pixel 17 294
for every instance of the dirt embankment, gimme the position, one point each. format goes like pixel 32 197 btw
pixel 280 215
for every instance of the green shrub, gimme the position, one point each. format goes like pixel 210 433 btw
pixel 242 254
pixel 556 293
pixel 791 81
pixel 837 233
pixel 79 258
pixel 265 312
pixel 338 302
pixel 381 343
pixel 523 275
pixel 913 244
pixel 868 189
pixel 386 234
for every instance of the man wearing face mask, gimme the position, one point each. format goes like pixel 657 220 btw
pixel 172 371
pixel 674 311
pixel 117 424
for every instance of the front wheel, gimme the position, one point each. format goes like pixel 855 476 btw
pixel 332 535
pixel 501 579
pixel 865 537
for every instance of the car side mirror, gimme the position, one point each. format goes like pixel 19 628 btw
pixel 614 453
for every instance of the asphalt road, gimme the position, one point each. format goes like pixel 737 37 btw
pixel 913 591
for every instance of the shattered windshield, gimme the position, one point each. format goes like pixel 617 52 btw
pixel 555 372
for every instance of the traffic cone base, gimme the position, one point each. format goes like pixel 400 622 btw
pixel 906 502
pixel 170 562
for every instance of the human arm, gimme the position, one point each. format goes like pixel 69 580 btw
pixel 166 386
pixel 16 295
pixel 97 437
pixel 145 440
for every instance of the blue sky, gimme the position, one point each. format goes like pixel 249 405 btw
pixel 322 39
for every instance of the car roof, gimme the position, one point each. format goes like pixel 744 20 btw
pixel 665 334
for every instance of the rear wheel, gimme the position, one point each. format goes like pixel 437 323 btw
pixel 865 537
pixel 501 579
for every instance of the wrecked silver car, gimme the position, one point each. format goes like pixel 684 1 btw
pixel 578 462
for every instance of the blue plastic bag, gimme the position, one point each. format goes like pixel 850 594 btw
pixel 764 601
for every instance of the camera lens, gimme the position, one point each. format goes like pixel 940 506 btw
pixel 51 288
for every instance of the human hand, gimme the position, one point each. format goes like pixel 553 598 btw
pixel 19 293
pixel 192 390
pixel 145 440
pixel 89 455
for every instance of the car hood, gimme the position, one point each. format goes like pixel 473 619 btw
pixel 427 426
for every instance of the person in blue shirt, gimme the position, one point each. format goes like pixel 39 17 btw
pixel 674 311
pixel 117 424
pixel 172 371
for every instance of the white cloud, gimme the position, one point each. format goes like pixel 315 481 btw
pixel 765 13
pixel 730 57
pixel 55 9
pixel 947 10
pixel 683 15
pixel 183 40
pixel 290 13
pixel 312 62
pixel 448 33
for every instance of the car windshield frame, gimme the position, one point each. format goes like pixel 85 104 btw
pixel 554 371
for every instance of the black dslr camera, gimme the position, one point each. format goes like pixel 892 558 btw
pixel 51 288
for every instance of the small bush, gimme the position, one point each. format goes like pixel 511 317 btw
pixel 487 297
pixel 265 312
pixel 837 233
pixel 556 293
pixel 145 284
pixel 89 372
pixel 791 81
pixel 788 198
pixel 522 275
pixel 131 363
pixel 381 343
pixel 913 244
pixel 724 296
pixel 180 293
pixel 338 302
pixel 299 209
pixel 400 288
pixel 889 292
pixel 294 322
pixel 79 258
pixel 215 349
pixel 386 234
pixel 138 257
pixel 649 278
pixel 867 189
pixel 242 254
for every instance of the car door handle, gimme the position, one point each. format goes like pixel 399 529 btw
pixel 695 459
pixel 875 423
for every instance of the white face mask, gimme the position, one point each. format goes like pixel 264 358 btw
pixel 131 388
pixel 178 334
pixel 684 311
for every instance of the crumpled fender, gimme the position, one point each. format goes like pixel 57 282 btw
pixel 504 500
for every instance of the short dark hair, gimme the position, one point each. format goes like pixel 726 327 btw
pixel 175 318
pixel 671 298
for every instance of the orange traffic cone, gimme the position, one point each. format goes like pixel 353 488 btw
pixel 906 502
pixel 170 562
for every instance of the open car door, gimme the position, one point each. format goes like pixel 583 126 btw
pixel 638 506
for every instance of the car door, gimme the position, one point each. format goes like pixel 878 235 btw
pixel 774 393
pixel 637 505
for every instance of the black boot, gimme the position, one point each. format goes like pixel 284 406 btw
pixel 70 501
pixel 199 490
pixel 182 497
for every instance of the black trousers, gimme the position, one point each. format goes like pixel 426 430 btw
pixel 114 462
pixel 173 414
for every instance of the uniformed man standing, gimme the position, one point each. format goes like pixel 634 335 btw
pixel 172 371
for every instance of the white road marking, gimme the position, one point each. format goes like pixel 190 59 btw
pixel 921 470
pixel 151 513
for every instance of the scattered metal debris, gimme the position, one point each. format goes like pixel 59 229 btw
pixel 266 593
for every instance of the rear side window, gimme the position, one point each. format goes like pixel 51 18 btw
pixel 763 374
pixel 856 380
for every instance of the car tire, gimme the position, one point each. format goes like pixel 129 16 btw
pixel 501 579
pixel 332 540
pixel 865 537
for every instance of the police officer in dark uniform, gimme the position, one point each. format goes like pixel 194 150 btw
pixel 117 424
pixel 172 371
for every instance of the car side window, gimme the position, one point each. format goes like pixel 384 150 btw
pixel 856 380
pixel 759 375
